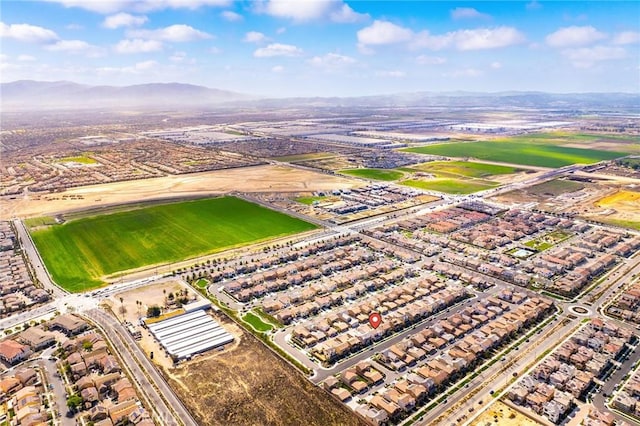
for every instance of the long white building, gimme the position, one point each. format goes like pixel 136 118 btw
pixel 188 334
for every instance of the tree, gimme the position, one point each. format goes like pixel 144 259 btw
pixel 87 345
pixel 74 401
pixel 153 311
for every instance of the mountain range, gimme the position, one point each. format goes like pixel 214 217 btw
pixel 34 95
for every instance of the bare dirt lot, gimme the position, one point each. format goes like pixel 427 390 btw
pixel 249 385
pixel 247 179
pixel 625 203
pixel 500 414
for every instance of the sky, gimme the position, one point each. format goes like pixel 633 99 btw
pixel 284 48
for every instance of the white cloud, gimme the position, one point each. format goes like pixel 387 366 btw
pixel 26 58
pixel 138 68
pixel 430 60
pixel 574 36
pixel 254 37
pixel 74 27
pixel 137 46
pixel 487 38
pixel 332 61
pixel 231 16
pixel 145 65
pixel 277 49
pixel 27 33
pixel 476 39
pixel 112 6
pixel 308 10
pixel 627 37
pixel 277 68
pixel 586 57
pixel 281 30
pixel 496 65
pixel 123 20
pixel 465 72
pixel 346 15
pixel 383 32
pixel 215 50
pixel 174 33
pixel 74 47
pixel 468 13
pixel 393 74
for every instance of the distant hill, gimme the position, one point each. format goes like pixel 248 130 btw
pixel 34 95
pixel 29 94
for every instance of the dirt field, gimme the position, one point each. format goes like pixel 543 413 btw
pixel 248 179
pixel 500 414
pixel 625 203
pixel 249 385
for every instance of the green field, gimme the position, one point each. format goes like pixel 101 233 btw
pixel 79 252
pixel 256 322
pixel 548 240
pixel 526 152
pixel 375 174
pixel 464 168
pixel 450 186
pixel 39 221
pixel 202 283
pixel 310 200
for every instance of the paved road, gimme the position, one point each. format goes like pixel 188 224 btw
pixel 169 413
pixel 36 261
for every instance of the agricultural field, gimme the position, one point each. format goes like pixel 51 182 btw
pixel 451 186
pixel 375 174
pixel 464 169
pixel 525 151
pixel 80 253
pixel 250 385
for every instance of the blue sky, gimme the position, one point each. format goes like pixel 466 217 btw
pixel 326 48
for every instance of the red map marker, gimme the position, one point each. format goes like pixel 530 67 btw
pixel 375 319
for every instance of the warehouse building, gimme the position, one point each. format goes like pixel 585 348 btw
pixel 188 334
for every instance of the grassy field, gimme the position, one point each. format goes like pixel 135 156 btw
pixel 526 152
pixel 39 221
pixel 256 322
pixel 450 186
pixel 79 252
pixel 202 283
pixel 79 159
pixel 310 200
pixel 548 240
pixel 375 174
pixel 464 168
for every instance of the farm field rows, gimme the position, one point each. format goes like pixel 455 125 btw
pixel 79 253
pixel 532 153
